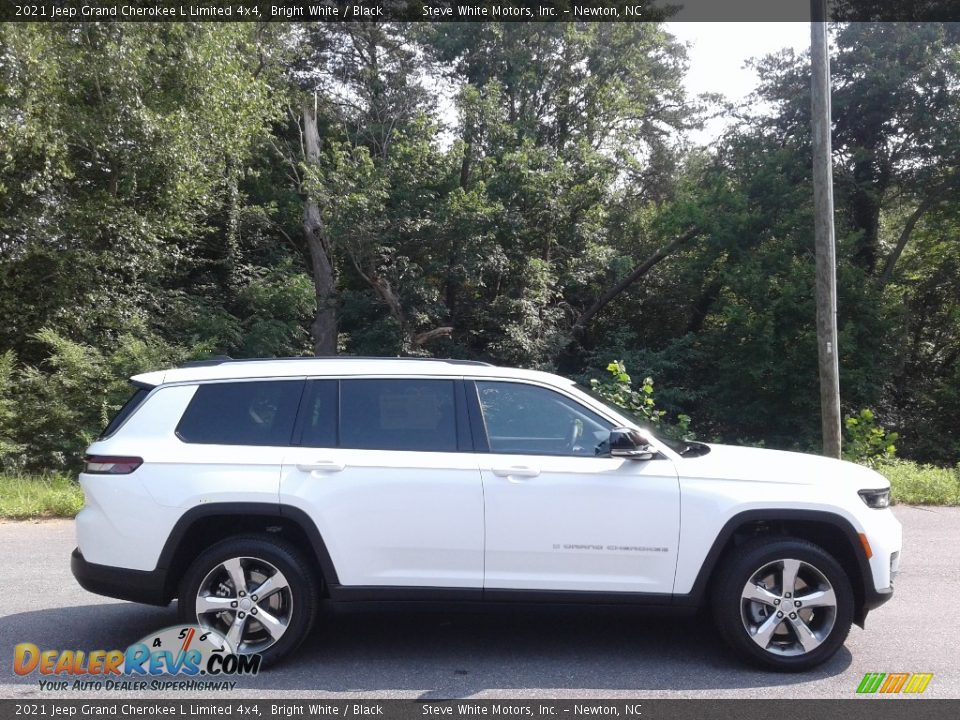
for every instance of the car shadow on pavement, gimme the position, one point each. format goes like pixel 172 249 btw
pixel 441 651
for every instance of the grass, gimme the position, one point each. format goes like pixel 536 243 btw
pixel 39 496
pixel 916 484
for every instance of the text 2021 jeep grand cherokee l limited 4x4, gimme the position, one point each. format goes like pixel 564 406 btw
pixel 250 489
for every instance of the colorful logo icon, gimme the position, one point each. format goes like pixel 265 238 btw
pixel 894 683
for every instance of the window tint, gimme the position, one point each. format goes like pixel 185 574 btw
pixel 398 415
pixel 135 400
pixel 318 413
pixel 533 420
pixel 242 413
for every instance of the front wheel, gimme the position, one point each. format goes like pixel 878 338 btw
pixel 783 603
pixel 258 592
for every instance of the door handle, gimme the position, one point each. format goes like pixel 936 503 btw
pixel 321 466
pixel 524 471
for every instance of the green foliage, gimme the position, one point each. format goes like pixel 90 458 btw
pixel 866 440
pixel 126 142
pixel 63 405
pixel 8 407
pixel 619 390
pixel 923 394
pixel 273 307
pixel 38 496
pixel 916 484
pixel 639 401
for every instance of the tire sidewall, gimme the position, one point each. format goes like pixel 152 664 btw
pixel 300 577
pixel 738 571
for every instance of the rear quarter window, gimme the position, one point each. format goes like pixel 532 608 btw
pixel 242 413
pixel 135 401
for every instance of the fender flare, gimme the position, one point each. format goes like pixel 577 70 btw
pixel 277 510
pixel 699 589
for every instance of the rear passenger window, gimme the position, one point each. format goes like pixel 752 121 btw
pixel 398 415
pixel 242 413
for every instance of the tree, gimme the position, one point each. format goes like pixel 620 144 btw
pixel 364 77
pixel 895 124
pixel 567 129
pixel 125 143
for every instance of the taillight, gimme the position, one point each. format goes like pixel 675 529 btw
pixel 111 464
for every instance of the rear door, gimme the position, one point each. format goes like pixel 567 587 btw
pixel 385 468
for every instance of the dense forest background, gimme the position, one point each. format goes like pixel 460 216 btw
pixel 524 194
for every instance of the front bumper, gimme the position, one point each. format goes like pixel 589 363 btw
pixel 885 536
pixel 875 598
pixel 142 586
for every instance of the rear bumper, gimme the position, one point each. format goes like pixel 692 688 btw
pixel 142 586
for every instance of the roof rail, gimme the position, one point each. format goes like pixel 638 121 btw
pixel 215 360
pixel 222 359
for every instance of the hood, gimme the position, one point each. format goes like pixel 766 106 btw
pixel 731 462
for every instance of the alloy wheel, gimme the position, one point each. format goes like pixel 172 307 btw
pixel 788 607
pixel 247 600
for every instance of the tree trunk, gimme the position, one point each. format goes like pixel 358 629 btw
pixel 324 326
pixel 905 234
pixel 431 335
pixel 701 308
pixel 451 282
pixel 466 163
pixel 865 214
pixel 381 286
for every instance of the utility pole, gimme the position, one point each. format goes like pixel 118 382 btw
pixel 824 238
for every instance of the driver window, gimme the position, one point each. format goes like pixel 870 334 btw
pixel 526 419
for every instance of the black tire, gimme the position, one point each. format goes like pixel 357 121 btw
pixel 732 613
pixel 297 605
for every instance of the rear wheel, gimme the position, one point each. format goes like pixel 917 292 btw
pixel 258 592
pixel 783 603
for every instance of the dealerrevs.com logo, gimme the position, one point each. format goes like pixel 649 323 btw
pixel 187 651
pixel 894 683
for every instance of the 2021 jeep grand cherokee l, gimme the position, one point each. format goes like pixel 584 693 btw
pixel 250 489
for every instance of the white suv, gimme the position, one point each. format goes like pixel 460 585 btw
pixel 252 489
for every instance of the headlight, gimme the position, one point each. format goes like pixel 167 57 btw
pixel 877 499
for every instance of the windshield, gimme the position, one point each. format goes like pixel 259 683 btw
pixel 677 446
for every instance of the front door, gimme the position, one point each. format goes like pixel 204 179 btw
pixel 558 516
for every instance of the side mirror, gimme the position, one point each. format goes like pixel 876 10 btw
pixel 628 443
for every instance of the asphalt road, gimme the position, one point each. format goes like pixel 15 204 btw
pixel 440 652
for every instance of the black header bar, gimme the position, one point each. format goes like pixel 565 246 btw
pixel 472 11
pixel 117 708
